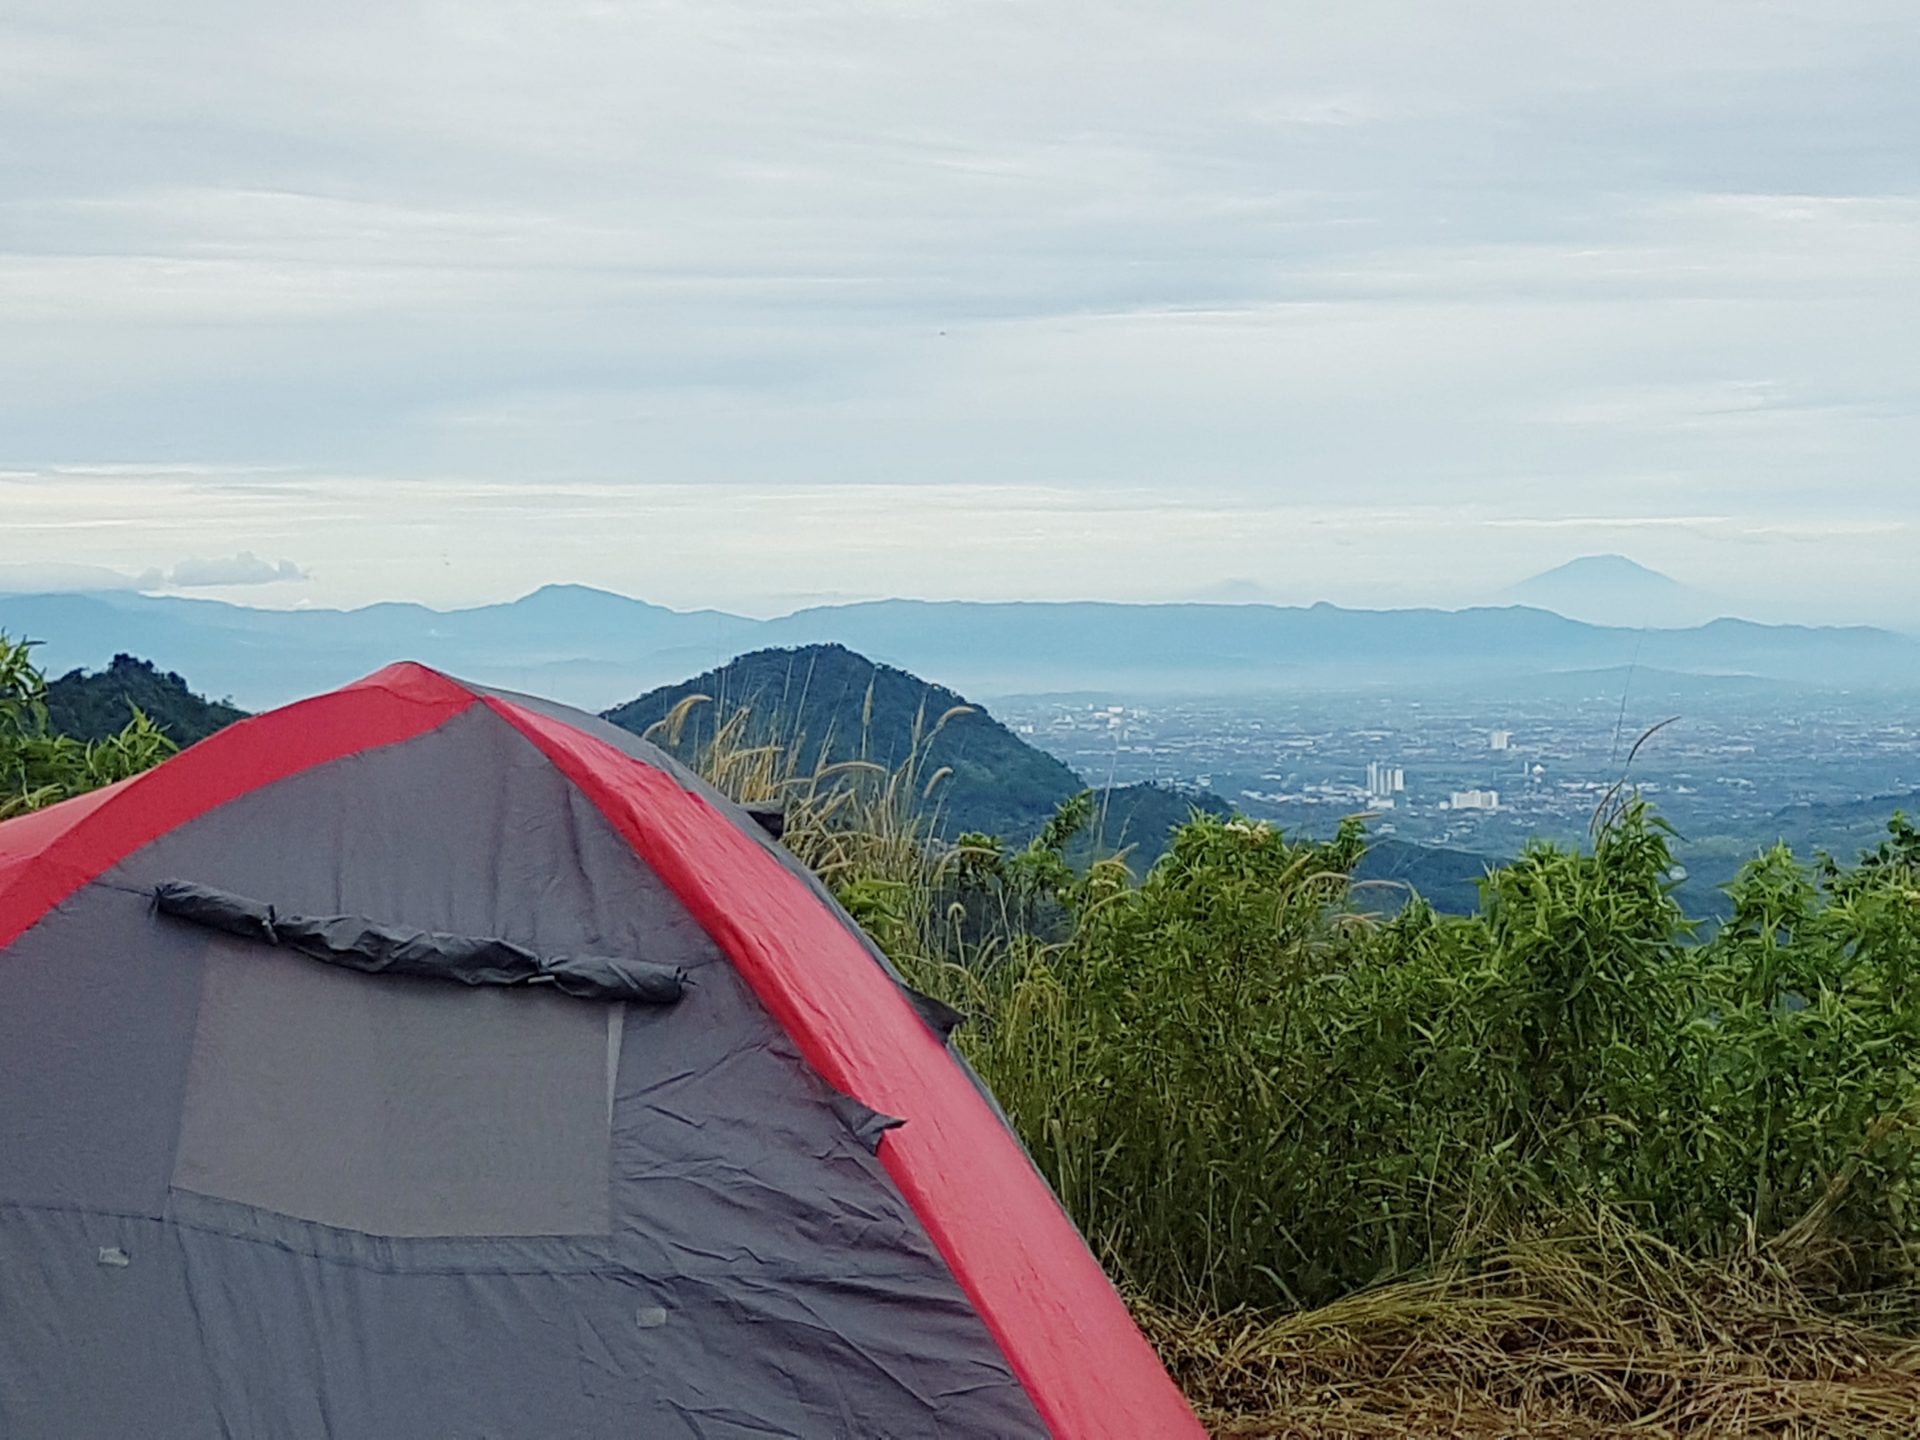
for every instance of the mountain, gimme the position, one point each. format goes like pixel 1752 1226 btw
pixel 1845 828
pixel 94 706
pixel 1016 647
pixel 826 705
pixel 1448 879
pixel 1139 818
pixel 569 642
pixel 588 647
pixel 1613 590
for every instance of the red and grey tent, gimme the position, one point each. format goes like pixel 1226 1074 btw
pixel 420 1060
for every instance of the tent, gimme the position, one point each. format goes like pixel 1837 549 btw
pixel 425 1061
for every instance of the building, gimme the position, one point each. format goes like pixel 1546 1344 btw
pixel 1385 781
pixel 1502 740
pixel 1474 800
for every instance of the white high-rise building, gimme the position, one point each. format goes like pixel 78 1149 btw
pixel 1385 781
pixel 1502 739
pixel 1474 800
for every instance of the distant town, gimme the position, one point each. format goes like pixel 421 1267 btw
pixel 1486 772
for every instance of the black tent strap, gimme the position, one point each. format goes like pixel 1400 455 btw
pixel 367 945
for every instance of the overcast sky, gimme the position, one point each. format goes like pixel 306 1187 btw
pixel 738 304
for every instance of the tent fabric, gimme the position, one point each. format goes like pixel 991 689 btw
pixel 943 1018
pixel 301 1120
pixel 246 1194
pixel 69 845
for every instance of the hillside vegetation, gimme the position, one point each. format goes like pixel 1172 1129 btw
pixel 827 706
pixel 39 765
pixel 1564 1166
pixel 92 707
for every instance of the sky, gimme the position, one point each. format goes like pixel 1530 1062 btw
pixel 756 305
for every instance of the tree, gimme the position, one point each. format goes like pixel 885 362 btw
pixel 38 765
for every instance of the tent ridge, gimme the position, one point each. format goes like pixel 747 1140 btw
pixel 43 861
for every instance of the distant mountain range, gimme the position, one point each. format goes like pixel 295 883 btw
pixel 592 648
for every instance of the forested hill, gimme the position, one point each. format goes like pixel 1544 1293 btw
pixel 827 704
pixel 93 706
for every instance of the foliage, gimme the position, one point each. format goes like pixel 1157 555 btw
pixel 97 706
pixel 40 766
pixel 1253 1088
pixel 1252 1093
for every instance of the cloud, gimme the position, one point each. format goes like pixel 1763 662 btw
pixel 246 568
pixel 61 578
pixel 413 267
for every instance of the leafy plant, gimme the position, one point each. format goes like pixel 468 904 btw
pixel 39 766
pixel 1249 1090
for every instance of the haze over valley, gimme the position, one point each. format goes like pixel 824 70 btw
pixel 596 648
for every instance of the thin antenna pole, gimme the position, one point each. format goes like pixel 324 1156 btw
pixel 1626 688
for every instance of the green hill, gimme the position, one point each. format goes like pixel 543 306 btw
pixel 93 706
pixel 1449 880
pixel 826 704
pixel 1844 827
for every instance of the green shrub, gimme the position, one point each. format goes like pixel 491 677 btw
pixel 1247 1091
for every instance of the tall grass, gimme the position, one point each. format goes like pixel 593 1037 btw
pixel 1560 1167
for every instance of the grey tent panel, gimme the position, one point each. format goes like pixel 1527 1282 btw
pixel 751 1269
pixel 396 1108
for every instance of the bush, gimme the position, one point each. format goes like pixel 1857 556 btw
pixel 1250 1092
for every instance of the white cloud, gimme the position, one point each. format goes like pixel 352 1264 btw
pixel 245 568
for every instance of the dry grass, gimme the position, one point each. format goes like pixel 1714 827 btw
pixel 1611 1334
pixel 846 819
